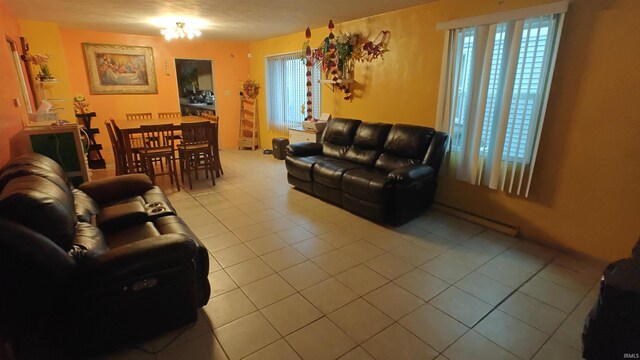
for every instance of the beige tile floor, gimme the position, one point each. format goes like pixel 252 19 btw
pixel 294 277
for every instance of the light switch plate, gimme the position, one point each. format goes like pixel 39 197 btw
pixel 16 102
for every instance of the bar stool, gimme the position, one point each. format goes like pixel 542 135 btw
pixel 139 166
pixel 215 120
pixel 196 150
pixel 118 150
pixel 159 145
pixel 139 116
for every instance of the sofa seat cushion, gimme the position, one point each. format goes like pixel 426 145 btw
pixel 131 234
pixel 301 167
pixel 329 172
pixel 367 184
pixel 89 242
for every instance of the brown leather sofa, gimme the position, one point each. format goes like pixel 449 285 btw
pixel 92 269
pixel 384 172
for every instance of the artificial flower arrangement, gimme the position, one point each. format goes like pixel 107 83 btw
pixel 336 56
pixel 250 88
pixel 80 105
pixel 43 62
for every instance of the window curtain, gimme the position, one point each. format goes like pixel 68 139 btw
pixel 286 91
pixel 493 95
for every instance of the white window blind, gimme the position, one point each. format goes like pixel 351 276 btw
pixel 493 95
pixel 287 92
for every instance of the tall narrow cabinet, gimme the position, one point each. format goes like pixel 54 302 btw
pixel 249 136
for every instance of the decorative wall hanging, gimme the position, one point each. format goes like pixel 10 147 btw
pixel 120 69
pixel 337 56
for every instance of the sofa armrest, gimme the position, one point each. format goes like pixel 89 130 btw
pixel 407 175
pixel 304 149
pixel 117 188
pixel 139 258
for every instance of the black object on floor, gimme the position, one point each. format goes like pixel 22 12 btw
pixel 279 145
pixel 612 329
pixel 267 152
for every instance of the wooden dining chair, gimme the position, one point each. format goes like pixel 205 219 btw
pixel 216 151
pixel 118 150
pixel 169 115
pixel 210 117
pixel 195 151
pixel 215 148
pixel 139 116
pixel 138 165
pixel 158 146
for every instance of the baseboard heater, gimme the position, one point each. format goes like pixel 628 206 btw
pixel 507 229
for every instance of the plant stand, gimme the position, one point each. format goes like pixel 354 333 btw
pixel 94 157
pixel 249 133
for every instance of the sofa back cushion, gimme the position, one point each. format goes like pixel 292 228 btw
pixel 338 137
pixel 42 206
pixel 18 170
pixel 405 145
pixel 39 161
pixel 368 143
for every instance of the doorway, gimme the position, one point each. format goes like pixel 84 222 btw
pixel 26 106
pixel 196 86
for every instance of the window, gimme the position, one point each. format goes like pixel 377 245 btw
pixel 493 95
pixel 287 92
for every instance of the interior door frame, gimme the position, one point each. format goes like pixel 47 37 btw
pixel 213 79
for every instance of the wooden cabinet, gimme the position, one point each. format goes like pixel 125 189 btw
pixel 249 130
pixel 62 144
pixel 301 135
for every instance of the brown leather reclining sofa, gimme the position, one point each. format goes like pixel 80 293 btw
pixel 92 269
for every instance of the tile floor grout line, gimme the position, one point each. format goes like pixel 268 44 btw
pixel 496 308
pixel 564 320
pixel 242 185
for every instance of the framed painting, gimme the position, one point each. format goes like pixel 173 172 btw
pixel 120 69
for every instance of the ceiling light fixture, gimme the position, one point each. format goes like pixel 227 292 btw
pixel 181 30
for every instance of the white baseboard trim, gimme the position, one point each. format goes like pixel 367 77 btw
pixel 507 229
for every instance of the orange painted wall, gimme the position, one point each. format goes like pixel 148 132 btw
pixel 11 118
pixel 231 65
pixel 585 194
pixel 44 38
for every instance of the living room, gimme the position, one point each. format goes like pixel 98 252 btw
pixel 583 196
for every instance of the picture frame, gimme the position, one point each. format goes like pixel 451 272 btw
pixel 120 69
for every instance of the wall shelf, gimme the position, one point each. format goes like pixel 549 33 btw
pixel 332 84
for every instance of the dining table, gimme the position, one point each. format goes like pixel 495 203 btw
pixel 132 127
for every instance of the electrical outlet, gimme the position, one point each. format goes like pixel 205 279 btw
pixel 227 92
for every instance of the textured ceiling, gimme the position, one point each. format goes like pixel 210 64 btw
pixel 219 19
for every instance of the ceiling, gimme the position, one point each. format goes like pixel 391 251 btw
pixel 218 19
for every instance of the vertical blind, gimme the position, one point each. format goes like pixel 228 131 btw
pixel 286 91
pixel 493 95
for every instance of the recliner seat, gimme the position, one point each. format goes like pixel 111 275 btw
pixel 88 270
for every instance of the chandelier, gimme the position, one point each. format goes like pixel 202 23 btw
pixel 181 30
